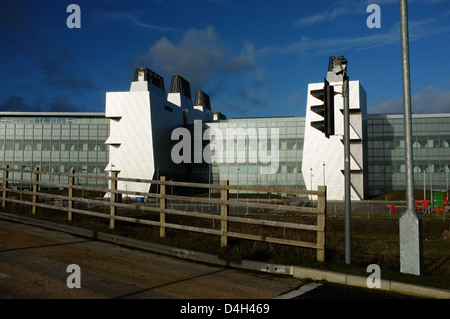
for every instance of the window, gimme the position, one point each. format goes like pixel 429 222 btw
pixel 291 145
pixel 444 142
pixel 399 144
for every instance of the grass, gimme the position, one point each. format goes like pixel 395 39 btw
pixel 375 240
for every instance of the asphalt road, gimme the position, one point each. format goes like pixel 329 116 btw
pixel 34 265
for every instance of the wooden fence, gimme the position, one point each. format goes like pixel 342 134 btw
pixel 36 198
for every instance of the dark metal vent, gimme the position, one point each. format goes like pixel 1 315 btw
pixel 202 99
pixel 144 74
pixel 180 85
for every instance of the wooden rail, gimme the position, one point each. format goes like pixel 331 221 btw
pixel 66 203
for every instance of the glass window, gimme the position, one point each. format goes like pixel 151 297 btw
pixel 55 146
pixel 399 144
pixel 389 144
pixel 27 146
pixel 292 145
pixel 378 144
pixel 9 146
pixel 444 142
pixel 292 169
pixel 84 133
pixel 252 169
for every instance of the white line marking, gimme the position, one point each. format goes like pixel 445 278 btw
pixel 300 291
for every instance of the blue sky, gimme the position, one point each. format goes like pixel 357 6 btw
pixel 254 58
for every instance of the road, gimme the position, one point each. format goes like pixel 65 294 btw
pixel 34 261
pixel 34 265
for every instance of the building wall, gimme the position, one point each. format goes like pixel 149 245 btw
pixel 323 158
pixel 276 159
pixel 55 142
pixel 60 142
pixel 143 121
pixel 386 152
pixel 140 122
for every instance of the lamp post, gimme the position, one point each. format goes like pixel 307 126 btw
pixel 337 72
pixel 411 251
pixel 323 174
pixel 348 203
pixel 446 178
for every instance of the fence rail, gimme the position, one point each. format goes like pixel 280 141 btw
pixel 36 198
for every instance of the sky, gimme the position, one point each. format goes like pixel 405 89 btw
pixel 253 58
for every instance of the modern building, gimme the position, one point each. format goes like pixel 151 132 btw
pixel 323 158
pixel 264 152
pixel 142 122
pixel 146 133
pixel 54 142
pixel 386 152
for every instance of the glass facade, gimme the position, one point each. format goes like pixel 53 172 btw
pixel 260 168
pixel 55 142
pixel 386 152
pixel 58 142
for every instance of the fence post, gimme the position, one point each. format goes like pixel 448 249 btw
pixel 113 199
pixel 162 207
pixel 35 189
pixel 70 194
pixel 5 184
pixel 321 222
pixel 224 196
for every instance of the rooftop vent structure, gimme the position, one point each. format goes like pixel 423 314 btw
pixel 147 75
pixel 180 85
pixel 202 99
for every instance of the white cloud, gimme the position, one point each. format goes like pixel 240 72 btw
pixel 428 100
pixel 135 21
pixel 320 17
pixel 199 56
pixel 307 46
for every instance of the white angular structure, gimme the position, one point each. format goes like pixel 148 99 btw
pixel 323 158
pixel 141 123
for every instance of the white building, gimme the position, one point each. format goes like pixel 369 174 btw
pixel 323 158
pixel 141 123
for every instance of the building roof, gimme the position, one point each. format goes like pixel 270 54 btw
pixel 52 114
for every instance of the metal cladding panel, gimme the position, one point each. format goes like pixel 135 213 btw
pixel 134 156
pixel 140 136
pixel 323 158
